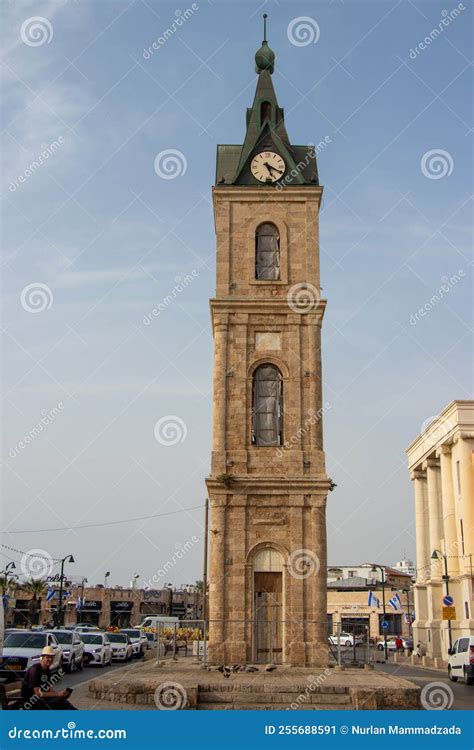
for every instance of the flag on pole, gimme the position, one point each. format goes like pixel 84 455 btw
pixel 50 594
pixel 79 603
pixel 373 600
pixel 395 602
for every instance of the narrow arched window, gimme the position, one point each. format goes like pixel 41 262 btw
pixel 267 406
pixel 267 252
pixel 265 112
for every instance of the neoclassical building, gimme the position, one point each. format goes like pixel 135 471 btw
pixel 268 482
pixel 441 466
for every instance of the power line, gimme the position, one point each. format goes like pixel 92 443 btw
pixel 36 556
pixel 103 523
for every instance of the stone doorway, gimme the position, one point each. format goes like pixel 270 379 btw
pixel 268 610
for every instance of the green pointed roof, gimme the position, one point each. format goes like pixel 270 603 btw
pixel 265 131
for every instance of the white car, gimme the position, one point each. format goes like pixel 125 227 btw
pixel 346 639
pixel 22 649
pixel 138 640
pixel 97 649
pixel 392 644
pixel 461 660
pixel 72 647
pixel 122 649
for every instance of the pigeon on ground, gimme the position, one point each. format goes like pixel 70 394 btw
pixel 270 668
pixel 251 669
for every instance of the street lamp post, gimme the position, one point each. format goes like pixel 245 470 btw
pixel 59 618
pixel 135 579
pixel 382 570
pixel 435 556
pixel 83 581
pixel 8 567
pixel 105 578
pixel 169 586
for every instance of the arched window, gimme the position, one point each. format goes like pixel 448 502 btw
pixel 267 252
pixel 267 406
pixel 265 112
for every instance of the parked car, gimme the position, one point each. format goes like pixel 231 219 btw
pixel 72 647
pixel 138 640
pixel 461 660
pixel 97 649
pixel 346 639
pixel 23 648
pixel 392 645
pixel 122 649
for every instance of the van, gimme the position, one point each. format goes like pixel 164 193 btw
pixel 152 621
pixel 461 660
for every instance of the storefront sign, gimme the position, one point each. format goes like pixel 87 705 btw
pixel 152 594
pixel 121 606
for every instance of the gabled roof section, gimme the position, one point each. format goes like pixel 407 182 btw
pixel 272 124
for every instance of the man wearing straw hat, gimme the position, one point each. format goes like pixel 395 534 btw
pixel 37 688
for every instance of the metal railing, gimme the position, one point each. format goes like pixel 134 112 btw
pixel 347 644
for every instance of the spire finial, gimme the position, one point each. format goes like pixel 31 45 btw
pixel 265 57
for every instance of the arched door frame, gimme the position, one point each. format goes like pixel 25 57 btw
pixel 284 554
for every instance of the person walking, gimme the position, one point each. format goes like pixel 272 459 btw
pixel 37 690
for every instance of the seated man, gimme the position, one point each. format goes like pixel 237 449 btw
pixel 37 689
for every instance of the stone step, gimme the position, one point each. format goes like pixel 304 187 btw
pixel 285 699
pixel 266 689
pixel 268 707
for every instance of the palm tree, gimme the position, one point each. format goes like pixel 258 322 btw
pixel 36 587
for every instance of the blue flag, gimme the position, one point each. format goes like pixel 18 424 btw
pixel 373 600
pixel 395 602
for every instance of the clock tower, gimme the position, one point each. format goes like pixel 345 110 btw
pixel 268 483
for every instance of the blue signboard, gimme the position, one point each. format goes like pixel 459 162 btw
pixel 384 625
pixel 448 601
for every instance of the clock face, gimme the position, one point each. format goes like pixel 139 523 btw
pixel 267 166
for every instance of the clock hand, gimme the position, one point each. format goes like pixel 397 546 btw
pixel 273 169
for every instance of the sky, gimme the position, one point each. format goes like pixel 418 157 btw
pixel 108 153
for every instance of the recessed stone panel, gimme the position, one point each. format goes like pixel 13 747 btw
pixel 267 341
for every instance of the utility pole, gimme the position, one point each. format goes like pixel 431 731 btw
pixel 204 572
pixel 382 570
pixel 59 612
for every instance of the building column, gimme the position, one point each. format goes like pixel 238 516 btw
pixel 219 396
pixel 434 515
pixel 451 546
pixel 421 526
pixel 464 449
pixel 216 585
pixel 295 624
pixel 317 611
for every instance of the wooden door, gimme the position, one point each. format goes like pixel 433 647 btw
pixel 268 618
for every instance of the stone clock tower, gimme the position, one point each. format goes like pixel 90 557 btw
pixel 268 484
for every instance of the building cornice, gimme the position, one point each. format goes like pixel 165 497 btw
pixel 267 307
pixel 455 422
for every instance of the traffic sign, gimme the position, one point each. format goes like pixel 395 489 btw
pixel 384 625
pixel 448 601
pixel 449 613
